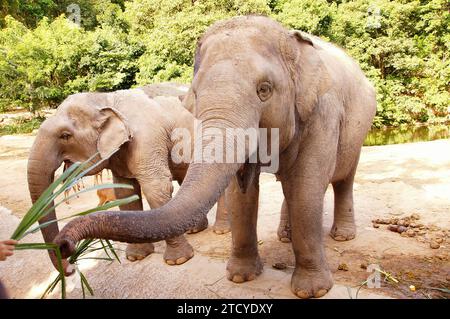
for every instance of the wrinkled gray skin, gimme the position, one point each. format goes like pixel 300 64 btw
pixel 251 72
pixel 140 128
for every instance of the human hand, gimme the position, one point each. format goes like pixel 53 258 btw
pixel 7 248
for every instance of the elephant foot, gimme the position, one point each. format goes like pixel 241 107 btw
pixel 136 252
pixel 342 231
pixel 311 283
pixel 243 269
pixel 200 226
pixel 178 251
pixel 221 227
pixel 284 232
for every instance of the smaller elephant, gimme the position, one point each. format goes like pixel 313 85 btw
pixel 131 131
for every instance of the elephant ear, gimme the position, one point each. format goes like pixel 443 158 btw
pixel 197 59
pixel 311 78
pixel 113 133
pixel 188 100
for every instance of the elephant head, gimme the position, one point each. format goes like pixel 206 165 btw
pixel 84 124
pixel 249 72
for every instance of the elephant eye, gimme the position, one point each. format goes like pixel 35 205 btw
pixel 65 136
pixel 264 91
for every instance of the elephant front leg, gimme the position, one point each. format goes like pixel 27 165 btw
pixel 158 192
pixel 222 224
pixel 311 277
pixel 133 251
pixel 245 263
pixel 284 228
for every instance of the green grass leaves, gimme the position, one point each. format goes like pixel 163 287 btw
pixel 44 205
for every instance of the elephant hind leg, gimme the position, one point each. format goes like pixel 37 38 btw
pixel 284 228
pixel 344 227
pixel 222 224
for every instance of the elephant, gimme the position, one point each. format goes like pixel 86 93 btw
pixel 250 73
pixel 132 132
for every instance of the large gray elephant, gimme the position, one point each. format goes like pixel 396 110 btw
pixel 250 72
pixel 132 131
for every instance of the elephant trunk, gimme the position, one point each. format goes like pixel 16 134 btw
pixel 184 212
pixel 42 164
pixel 201 188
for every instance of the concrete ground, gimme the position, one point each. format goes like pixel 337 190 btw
pixel 392 181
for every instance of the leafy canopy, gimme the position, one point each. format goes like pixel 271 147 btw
pixel 403 47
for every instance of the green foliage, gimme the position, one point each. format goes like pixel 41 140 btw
pixel 43 206
pixel 403 47
pixel 313 16
pixel 407 134
pixel 170 29
pixel 21 126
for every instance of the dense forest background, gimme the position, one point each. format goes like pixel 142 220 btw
pixel 49 49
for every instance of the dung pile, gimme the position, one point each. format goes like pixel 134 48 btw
pixel 410 226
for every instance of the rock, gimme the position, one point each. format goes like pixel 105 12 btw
pixel 403 222
pixel 433 228
pixel 410 233
pixel 364 265
pixel 434 245
pixel 343 267
pixel 397 229
pixel 401 229
pixel 393 228
pixel 375 225
pixel 381 221
pixel 421 232
pixel 415 216
pixel 439 240
pixel 393 221
pixel 440 234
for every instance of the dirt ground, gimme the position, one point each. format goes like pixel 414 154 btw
pixel 392 181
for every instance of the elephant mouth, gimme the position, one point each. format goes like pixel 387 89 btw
pixel 67 164
pixel 95 169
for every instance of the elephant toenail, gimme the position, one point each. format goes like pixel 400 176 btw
pixel 303 294
pixel 170 262
pixel 181 260
pixel 238 279
pixel 320 293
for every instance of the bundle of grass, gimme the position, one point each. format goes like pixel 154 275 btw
pixel 42 207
